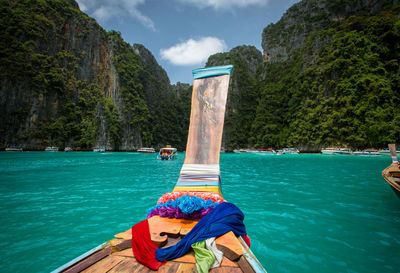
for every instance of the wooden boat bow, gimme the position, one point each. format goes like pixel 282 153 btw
pixel 200 174
pixel 392 173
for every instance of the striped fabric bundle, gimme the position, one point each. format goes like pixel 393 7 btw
pixel 215 197
pixel 199 177
pixel 185 206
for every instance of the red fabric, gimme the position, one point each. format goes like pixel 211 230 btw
pixel 143 248
pixel 246 239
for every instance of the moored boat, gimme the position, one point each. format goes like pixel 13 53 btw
pixel 392 173
pixel 336 151
pixel 68 149
pixel 51 149
pixel 266 151
pixel 386 151
pixel 146 150
pixel 194 218
pixel 167 153
pixel 290 151
pixel 343 151
pixel 241 151
pixel 329 151
pixel 99 149
pixel 13 149
pixel 367 153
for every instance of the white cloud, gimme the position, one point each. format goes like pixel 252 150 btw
pixel 192 51
pixel 224 4
pixel 104 10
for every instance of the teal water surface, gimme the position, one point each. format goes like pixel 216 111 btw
pixel 304 213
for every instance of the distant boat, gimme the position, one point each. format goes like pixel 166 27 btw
pixel 329 151
pixel 167 153
pixel 392 173
pixel 336 151
pixel 386 151
pixel 343 151
pixel 51 149
pixel 14 149
pixel 266 151
pixel 241 151
pixel 99 149
pixel 147 150
pixel 68 149
pixel 367 153
pixel 290 151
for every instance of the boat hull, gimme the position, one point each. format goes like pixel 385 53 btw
pixel 392 176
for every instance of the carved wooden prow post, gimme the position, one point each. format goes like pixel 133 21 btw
pixel 392 149
pixel 200 171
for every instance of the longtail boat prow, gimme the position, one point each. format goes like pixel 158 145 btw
pixel 192 228
pixel 392 173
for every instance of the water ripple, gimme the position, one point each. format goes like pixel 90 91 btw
pixel 304 213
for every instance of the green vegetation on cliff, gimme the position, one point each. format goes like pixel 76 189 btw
pixel 67 82
pixel 242 95
pixel 340 87
pixel 345 92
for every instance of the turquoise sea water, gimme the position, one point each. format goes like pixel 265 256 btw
pixel 304 213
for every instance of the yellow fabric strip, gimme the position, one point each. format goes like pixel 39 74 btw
pixel 199 188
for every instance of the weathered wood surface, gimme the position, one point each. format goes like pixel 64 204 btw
pixel 127 235
pixel 124 260
pixel 125 253
pixel 183 268
pixel 129 265
pixel 226 270
pixel 207 120
pixel 245 265
pixel 392 149
pixel 88 261
pixel 104 265
pixel 170 267
pixel 230 246
pixel 163 228
pixel 390 174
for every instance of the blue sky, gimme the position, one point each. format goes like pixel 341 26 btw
pixel 181 34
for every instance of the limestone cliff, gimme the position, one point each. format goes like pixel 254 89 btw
pixel 329 76
pixel 242 95
pixel 280 40
pixel 65 81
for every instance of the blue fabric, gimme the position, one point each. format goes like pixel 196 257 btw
pixel 212 71
pixel 187 204
pixel 224 218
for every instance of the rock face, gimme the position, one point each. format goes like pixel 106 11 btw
pixel 315 84
pixel 65 81
pixel 242 93
pixel 282 39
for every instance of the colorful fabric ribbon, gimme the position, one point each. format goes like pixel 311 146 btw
pixel 204 257
pixel 169 212
pixel 215 197
pixel 223 218
pixel 142 246
pixel 185 206
pixel 212 246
